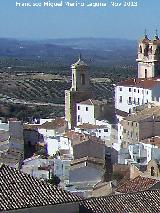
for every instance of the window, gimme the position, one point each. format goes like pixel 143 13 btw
pixel 120 99
pixel 138 100
pixel 78 107
pixel 124 130
pixel 78 118
pixel 152 171
pixel 145 73
pixel 82 79
pixel 134 100
pixel 86 108
pixel 120 89
pixel 129 111
pixel 140 49
pixel 129 89
pixel 138 90
pixel 105 130
pixel 134 90
pixel 130 100
pixel 147 92
pixel 99 131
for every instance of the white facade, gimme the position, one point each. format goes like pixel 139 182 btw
pixel 47 133
pixel 101 130
pixel 117 144
pixel 85 114
pixel 140 153
pixel 59 143
pixel 128 97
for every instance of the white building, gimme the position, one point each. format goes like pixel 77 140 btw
pixel 101 130
pixel 144 89
pixel 44 168
pixel 90 110
pixel 142 152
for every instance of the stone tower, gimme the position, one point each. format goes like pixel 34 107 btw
pixel 79 91
pixel 149 57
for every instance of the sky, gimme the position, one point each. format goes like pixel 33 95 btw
pixel 46 22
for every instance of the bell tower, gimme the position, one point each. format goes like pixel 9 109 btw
pixel 149 57
pixel 79 91
pixel 80 76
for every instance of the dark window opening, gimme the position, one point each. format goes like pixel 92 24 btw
pixel 152 171
pixel 82 79
pixel 145 73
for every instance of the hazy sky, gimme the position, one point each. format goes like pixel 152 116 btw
pixel 65 22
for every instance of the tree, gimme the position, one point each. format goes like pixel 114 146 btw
pixel 54 180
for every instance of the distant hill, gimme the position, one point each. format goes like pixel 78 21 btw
pixel 96 51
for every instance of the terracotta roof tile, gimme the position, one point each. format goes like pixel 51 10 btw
pixel 91 126
pixel 58 122
pixel 139 202
pixel 19 190
pixel 137 184
pixel 140 83
pixel 93 102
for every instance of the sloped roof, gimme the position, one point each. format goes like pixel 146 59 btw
pixel 92 102
pixel 153 140
pixel 91 126
pixel 140 83
pixel 137 202
pixel 58 122
pixel 147 112
pixel 137 184
pixel 20 190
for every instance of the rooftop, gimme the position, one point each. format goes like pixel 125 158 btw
pixel 137 184
pixel 80 62
pixel 58 122
pixel 141 83
pixel 91 126
pixel 138 202
pixel 153 140
pixel 146 112
pixel 15 186
pixel 93 102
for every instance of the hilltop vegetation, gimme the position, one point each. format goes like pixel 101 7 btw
pixel 40 72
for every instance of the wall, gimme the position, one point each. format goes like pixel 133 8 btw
pixel 86 116
pixel 86 174
pixel 144 95
pixel 90 149
pixel 69 208
pixel 153 163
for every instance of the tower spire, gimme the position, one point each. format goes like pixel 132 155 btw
pixel 80 56
pixel 156 34
pixel 145 33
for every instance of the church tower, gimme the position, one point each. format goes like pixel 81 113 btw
pixel 149 57
pixel 79 91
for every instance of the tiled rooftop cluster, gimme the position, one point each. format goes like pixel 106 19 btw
pixel 153 140
pixel 19 190
pixel 58 122
pixel 137 184
pixel 139 202
pixel 145 113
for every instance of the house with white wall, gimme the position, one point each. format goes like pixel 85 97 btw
pixel 90 110
pixel 143 89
